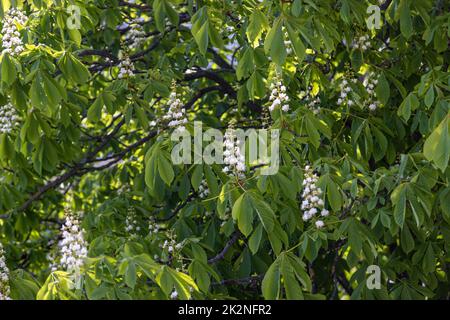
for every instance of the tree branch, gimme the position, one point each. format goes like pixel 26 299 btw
pixel 236 235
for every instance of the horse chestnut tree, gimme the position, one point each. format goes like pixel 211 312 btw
pixel 93 206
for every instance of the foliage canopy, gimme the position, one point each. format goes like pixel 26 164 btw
pixel 368 112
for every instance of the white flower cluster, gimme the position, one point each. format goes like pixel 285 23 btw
pixel 287 43
pixel 174 294
pixel 52 265
pixel 131 223
pixel 370 82
pixel 203 190
pixel 278 97
pixel 362 43
pixel 135 36
pixel 345 96
pixel 11 41
pixel 176 115
pixel 73 246
pixel 126 68
pixel 153 227
pixel 9 119
pixel 233 159
pixel 312 102
pixel 4 277
pixel 312 203
pixel 226 217
pixel 171 245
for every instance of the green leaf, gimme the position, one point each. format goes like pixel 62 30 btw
pixel 398 198
pixel 428 264
pixel 383 90
pixel 9 72
pixel 159 14
pixel 95 110
pixel 255 239
pixel 73 69
pixel 407 241
pixel 437 145
pixel 255 86
pixel 313 134
pixel 243 213
pixel 274 43
pixel 197 175
pixel 296 8
pixel 75 35
pixel 165 170
pixel 299 47
pixel 130 275
pixel 271 282
pixel 215 37
pixel 264 211
pixel 334 195
pixel 291 285
pixel 429 97
pixel 6 148
pixel 245 65
pixel 257 25
pixel 406 25
pixel 171 13
pixel 201 37
pixel 411 103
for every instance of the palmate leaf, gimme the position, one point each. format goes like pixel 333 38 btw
pixel 287 271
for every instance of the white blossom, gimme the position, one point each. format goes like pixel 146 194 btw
pixel 176 114
pixel 287 43
pixel 73 246
pixel 370 83
pixel 233 159
pixel 5 290
pixel 310 101
pixel 312 202
pixel 320 224
pixel 278 97
pixel 11 40
pixel 346 94
pixel 135 35
pixel 9 119
pixel 203 190
pixel 153 227
pixel 174 295
pixel 126 68
pixel 131 224
pixel 171 244
pixel 362 43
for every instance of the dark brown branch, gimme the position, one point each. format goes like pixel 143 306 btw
pixel 221 62
pixel 236 235
pixel 345 284
pixel 176 210
pixel 224 85
pixel 200 94
pixel 100 53
pixel 252 280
